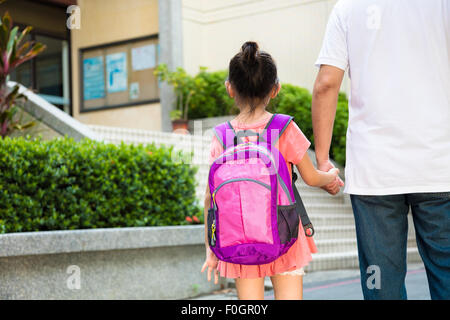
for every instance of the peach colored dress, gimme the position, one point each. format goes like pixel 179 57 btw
pixel 293 145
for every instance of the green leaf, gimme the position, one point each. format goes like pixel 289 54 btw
pixel 12 38
pixel 25 31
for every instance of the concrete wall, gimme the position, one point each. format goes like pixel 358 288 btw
pixel 291 30
pixel 105 21
pixel 38 129
pixel 119 263
pixel 56 122
pixel 202 125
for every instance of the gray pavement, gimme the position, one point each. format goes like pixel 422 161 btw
pixel 338 285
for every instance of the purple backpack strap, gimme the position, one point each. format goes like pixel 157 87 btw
pixel 226 135
pixel 275 128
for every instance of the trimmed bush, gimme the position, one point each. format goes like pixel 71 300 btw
pixel 62 184
pixel 295 101
pixel 212 99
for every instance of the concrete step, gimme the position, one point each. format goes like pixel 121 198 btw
pixel 320 198
pixel 343 232
pixel 336 245
pixel 328 209
pixel 324 220
pixel 347 260
pixel 346 245
pixel 334 232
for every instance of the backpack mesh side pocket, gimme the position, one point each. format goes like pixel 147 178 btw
pixel 288 221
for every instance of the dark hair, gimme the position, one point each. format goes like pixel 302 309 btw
pixel 253 74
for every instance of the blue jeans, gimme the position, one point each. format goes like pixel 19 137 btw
pixel 382 232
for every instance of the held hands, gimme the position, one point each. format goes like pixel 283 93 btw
pixel 333 187
pixel 211 263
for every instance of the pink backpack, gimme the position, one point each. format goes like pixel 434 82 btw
pixel 255 207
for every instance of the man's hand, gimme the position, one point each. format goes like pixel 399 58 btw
pixel 334 187
pixel 211 263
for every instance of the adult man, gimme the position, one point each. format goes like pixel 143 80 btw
pixel 398 139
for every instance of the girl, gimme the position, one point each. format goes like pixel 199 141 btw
pixel 252 82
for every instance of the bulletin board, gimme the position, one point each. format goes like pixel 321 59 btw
pixel 119 74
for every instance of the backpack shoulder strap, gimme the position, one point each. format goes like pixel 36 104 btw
pixel 273 131
pixel 275 127
pixel 226 135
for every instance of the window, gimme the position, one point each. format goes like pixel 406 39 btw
pixel 52 71
pixel 119 74
pixel 48 73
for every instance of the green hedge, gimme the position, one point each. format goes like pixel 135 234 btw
pixel 212 99
pixel 63 184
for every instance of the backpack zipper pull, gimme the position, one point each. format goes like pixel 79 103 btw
pixel 213 234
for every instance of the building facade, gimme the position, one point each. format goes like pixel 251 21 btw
pixel 101 54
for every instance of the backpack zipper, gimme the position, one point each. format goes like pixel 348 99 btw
pixel 235 180
pixel 280 180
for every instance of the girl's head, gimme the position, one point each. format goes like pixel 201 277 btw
pixel 252 79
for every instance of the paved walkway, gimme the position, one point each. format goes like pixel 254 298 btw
pixel 339 284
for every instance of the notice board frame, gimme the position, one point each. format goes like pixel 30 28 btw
pixel 82 51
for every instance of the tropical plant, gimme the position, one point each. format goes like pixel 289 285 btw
pixel 13 52
pixel 184 85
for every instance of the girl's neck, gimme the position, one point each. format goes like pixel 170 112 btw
pixel 247 118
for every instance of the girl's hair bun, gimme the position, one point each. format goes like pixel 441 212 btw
pixel 249 51
pixel 253 75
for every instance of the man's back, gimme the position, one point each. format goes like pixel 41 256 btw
pixel 398 58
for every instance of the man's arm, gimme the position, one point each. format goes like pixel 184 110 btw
pixel 324 103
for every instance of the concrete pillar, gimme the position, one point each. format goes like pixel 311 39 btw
pixel 171 46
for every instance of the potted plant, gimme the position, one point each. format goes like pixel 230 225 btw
pixel 178 122
pixel 12 54
pixel 184 87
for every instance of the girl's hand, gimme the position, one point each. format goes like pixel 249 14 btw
pixel 211 263
pixel 333 187
pixel 334 172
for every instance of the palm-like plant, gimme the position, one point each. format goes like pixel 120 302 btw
pixel 12 54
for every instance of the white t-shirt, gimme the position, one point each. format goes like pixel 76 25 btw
pixel 398 59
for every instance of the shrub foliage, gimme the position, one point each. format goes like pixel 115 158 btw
pixel 63 184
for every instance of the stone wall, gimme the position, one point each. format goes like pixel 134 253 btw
pixel 118 263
